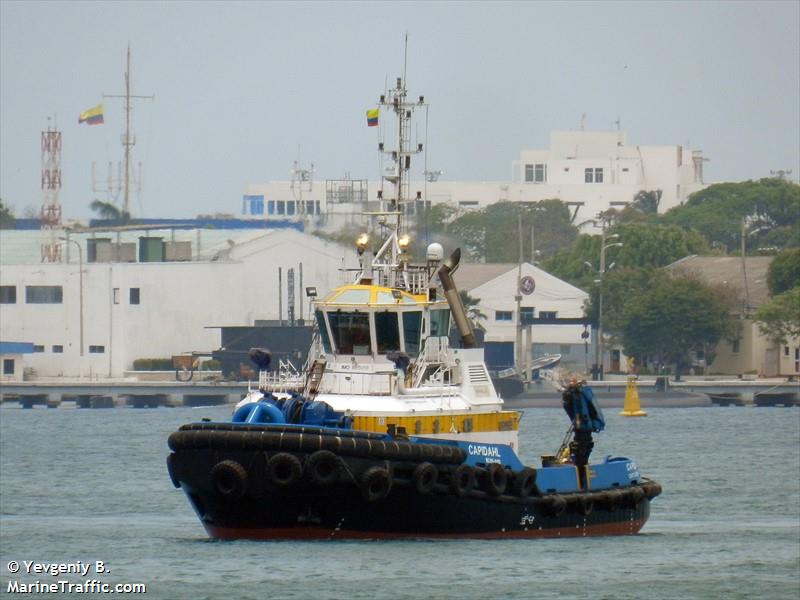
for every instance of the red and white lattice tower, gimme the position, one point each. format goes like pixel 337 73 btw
pixel 51 184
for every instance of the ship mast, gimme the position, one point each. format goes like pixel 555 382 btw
pixel 128 140
pixel 395 207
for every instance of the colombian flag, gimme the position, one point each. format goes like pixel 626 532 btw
pixel 372 117
pixel 92 116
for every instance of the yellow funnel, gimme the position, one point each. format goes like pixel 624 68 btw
pixel 631 407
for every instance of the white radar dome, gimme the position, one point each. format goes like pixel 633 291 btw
pixel 435 251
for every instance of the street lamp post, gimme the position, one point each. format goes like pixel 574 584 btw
pixel 599 346
pixel 80 283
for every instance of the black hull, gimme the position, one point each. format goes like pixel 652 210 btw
pixel 248 504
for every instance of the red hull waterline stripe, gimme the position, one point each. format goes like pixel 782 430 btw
pixel 631 527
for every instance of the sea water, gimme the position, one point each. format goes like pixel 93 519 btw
pixel 78 487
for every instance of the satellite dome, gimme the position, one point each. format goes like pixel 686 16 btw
pixel 435 251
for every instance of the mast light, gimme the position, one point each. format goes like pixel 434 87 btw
pixel 361 242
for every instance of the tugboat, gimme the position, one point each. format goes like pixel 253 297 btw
pixel 390 432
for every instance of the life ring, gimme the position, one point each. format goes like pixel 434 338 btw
pixel 496 479
pixel 284 469
pixel 322 468
pixel 462 480
pixel 424 477
pixel 229 478
pixel 375 484
pixel 525 482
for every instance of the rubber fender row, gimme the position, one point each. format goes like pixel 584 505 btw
pixel 198 439
pixel 609 500
pixel 279 428
pixel 324 468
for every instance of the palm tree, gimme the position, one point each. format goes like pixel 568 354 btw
pixel 472 308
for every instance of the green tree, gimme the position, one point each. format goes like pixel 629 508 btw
pixel 7 219
pixel 771 207
pixel 656 245
pixel 676 315
pixel 570 263
pixel 643 246
pixel 620 287
pixel 779 317
pixel 492 234
pixel 784 271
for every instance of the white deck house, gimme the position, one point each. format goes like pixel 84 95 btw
pixel 591 171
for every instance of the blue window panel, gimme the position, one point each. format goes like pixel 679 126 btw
pixel 254 204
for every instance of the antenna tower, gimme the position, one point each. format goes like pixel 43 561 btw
pixel 50 217
pixel 302 179
pixel 128 141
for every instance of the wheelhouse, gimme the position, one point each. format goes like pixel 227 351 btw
pixel 369 320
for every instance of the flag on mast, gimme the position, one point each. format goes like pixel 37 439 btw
pixel 372 117
pixel 92 116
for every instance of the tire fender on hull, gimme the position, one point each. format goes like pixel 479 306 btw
pixel 462 480
pixel 425 476
pixel 496 479
pixel 322 468
pixel 525 482
pixel 376 482
pixel 284 469
pixel 229 479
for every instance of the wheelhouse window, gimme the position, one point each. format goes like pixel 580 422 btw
pixel 387 333
pixel 350 332
pixel 440 323
pixel 323 331
pixel 412 323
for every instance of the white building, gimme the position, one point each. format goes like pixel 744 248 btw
pixel 591 171
pixel 122 311
pixel 494 286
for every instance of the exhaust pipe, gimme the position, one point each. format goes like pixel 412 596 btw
pixel 454 301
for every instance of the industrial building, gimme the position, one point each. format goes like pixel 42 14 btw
pixel 100 309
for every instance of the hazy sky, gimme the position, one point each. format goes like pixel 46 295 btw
pixel 244 89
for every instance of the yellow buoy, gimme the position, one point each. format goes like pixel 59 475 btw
pixel 631 407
